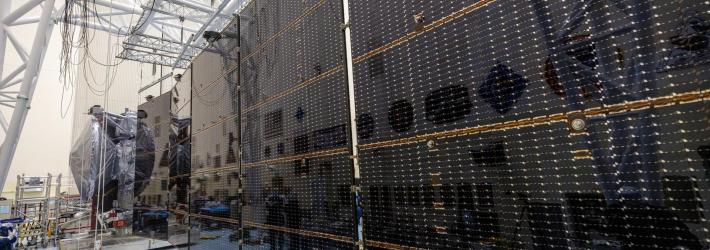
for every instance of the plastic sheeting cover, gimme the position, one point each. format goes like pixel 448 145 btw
pixel 112 150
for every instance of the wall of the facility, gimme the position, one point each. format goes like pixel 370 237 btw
pixel 463 126
pixel 44 144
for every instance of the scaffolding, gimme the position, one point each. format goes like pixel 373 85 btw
pixel 37 209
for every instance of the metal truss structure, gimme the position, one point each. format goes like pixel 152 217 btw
pixel 189 20
pixel 167 32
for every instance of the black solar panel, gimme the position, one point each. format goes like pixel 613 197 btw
pixel 485 124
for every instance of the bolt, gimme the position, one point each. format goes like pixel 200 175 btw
pixel 578 124
pixel 431 144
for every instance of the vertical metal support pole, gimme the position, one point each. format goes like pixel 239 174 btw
pixel 160 88
pixel 189 196
pixel 17 197
pixel 22 105
pixel 238 133
pixel 45 211
pixel 351 90
pixel 57 195
pixel 58 192
pixel 4 11
pixel 352 124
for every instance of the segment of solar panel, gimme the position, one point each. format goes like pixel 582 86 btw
pixel 481 124
pixel 531 124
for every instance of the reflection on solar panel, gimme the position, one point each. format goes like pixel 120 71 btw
pixel 486 124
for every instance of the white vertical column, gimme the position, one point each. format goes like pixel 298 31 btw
pixel 22 105
pixel 4 11
pixel 351 89
pixel 352 122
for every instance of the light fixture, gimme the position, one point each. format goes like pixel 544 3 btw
pixel 211 36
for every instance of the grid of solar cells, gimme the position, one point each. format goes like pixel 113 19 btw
pixel 213 207
pixel 152 195
pixel 178 226
pixel 295 166
pixel 481 124
pixel 532 124
pixel 288 200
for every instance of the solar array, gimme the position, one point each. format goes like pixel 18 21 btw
pixel 487 124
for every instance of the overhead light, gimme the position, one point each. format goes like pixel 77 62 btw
pixel 211 36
